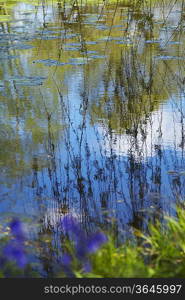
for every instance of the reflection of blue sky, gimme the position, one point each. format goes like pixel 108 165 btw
pixel 157 193
pixel 122 188
pixel 27 19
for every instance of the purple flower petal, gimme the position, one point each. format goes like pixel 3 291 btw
pixel 81 250
pixel 66 265
pixel 12 251
pixel 2 261
pixel 83 245
pixel 17 230
pixel 70 225
pixel 87 268
pixel 66 259
pixel 96 241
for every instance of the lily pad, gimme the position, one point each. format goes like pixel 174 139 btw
pixel 8 36
pixel 4 56
pixel 97 56
pixel 105 39
pixel 91 42
pixel 168 57
pixel 48 32
pixel 169 28
pixel 27 80
pixel 174 43
pixel 172 172
pixel 78 61
pixel 113 38
pixel 70 36
pixel 92 19
pixel 117 26
pixel 71 49
pixel 49 62
pixel 52 37
pixel 74 44
pixel 124 43
pixel 182 173
pixel 101 27
pixel 22 47
pixel 91 52
pixel 152 41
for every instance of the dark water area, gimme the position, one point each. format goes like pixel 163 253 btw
pixel 92 112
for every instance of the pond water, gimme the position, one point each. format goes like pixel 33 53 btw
pixel 92 112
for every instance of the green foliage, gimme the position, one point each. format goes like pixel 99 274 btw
pixel 161 253
pixel 124 261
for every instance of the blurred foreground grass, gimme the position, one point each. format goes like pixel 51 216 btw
pixel 160 253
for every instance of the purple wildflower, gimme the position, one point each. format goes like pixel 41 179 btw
pixel 13 251
pixel 70 225
pixel 66 263
pixel 17 230
pixel 66 259
pixel 87 268
pixel 2 261
pixel 88 245
pixel 83 245
pixel 95 241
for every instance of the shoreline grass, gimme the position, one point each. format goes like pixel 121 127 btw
pixel 159 254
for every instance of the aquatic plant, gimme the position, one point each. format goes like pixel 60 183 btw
pixel 15 249
pixel 83 245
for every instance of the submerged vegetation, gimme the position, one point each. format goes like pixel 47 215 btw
pixel 160 253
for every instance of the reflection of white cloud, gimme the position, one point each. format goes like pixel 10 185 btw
pixel 29 18
pixel 162 130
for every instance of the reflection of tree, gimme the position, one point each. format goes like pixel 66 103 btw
pixel 135 83
pixel 29 114
pixel 135 88
pixel 122 91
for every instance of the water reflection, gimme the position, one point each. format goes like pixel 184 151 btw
pixel 92 102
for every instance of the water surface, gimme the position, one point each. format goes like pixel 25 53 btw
pixel 92 113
